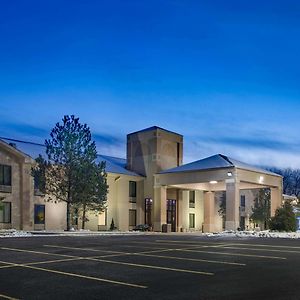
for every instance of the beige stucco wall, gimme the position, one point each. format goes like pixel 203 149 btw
pixel 118 204
pixel 7 158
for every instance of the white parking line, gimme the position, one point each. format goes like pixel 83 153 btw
pixel 147 253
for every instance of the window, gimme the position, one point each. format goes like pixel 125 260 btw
pixel 39 214
pixel 243 200
pixel 192 220
pixel 132 191
pixel 5 212
pixel 192 199
pixel 102 219
pixel 5 175
pixel 132 217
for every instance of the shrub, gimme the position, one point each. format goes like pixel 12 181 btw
pixel 284 219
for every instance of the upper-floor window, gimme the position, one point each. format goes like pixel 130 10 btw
pixel 5 175
pixel 192 199
pixel 132 191
pixel 243 200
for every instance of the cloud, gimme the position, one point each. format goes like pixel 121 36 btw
pixel 256 151
pixel 110 144
pixel 255 142
pixel 24 131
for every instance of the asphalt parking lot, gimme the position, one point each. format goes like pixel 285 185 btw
pixel 149 267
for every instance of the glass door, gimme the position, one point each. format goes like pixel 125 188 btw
pixel 171 214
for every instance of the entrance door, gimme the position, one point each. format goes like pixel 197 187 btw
pixel 171 214
pixel 148 211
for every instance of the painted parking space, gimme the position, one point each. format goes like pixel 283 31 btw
pixel 109 266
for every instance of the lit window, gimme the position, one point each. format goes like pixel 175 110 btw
pixel 39 214
pixel 102 219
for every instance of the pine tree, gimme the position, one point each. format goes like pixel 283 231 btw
pixel 70 173
pixel 284 219
pixel 261 211
pixel 222 206
pixel 112 224
pixel 93 190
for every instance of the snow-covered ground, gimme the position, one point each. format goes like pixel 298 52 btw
pixel 239 234
pixel 263 234
pixel 21 233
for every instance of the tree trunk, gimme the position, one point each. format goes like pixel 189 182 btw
pixel 68 216
pixel 83 216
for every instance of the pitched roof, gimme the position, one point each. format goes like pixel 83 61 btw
pixel 216 162
pixel 154 128
pixel 113 164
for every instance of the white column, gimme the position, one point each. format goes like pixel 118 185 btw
pixel 160 207
pixel 276 199
pixel 232 204
pixel 209 212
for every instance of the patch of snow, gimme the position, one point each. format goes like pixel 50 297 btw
pixel 14 233
pixel 262 234
pixel 48 233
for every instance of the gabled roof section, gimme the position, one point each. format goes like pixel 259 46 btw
pixel 15 151
pixel 113 164
pixel 28 148
pixel 217 161
pixel 154 128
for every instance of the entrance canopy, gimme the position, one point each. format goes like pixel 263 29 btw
pixel 221 173
pixel 212 174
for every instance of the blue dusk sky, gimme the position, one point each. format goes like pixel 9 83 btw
pixel 225 74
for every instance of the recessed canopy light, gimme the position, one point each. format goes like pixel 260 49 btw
pixel 213 182
pixel 229 174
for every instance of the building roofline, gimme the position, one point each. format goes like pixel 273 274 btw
pixel 16 151
pixel 154 128
pixel 21 141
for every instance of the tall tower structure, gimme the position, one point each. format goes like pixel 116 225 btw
pixel 150 151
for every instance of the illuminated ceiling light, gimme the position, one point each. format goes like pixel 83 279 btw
pixel 229 174
pixel 213 182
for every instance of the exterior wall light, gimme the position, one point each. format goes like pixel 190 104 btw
pixel 261 179
pixel 229 174
pixel 213 182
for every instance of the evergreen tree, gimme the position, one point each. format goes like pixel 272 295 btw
pixel 261 211
pixel 284 219
pixel 70 173
pixel 221 196
pixel 112 224
pixel 93 190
